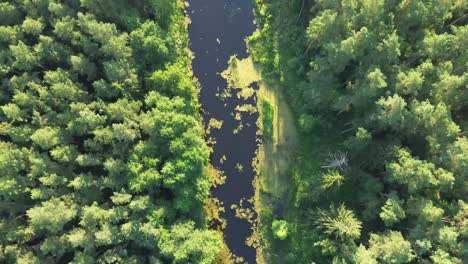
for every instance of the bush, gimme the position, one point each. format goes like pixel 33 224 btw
pixel 267 111
pixel 280 229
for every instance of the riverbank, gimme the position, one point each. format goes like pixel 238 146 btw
pixel 275 153
pixel 280 158
pixel 275 157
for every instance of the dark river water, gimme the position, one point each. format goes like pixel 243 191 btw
pixel 218 30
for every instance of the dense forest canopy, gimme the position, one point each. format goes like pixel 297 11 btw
pixel 101 147
pixel 380 89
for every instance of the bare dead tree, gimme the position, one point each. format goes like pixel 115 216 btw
pixel 337 160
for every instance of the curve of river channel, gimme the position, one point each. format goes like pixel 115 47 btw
pixel 217 31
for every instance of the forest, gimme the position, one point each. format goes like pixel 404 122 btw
pixel 380 94
pixel 104 157
pixel 101 141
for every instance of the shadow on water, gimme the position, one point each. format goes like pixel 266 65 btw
pixel 217 31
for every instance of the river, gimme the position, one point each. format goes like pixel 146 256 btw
pixel 218 30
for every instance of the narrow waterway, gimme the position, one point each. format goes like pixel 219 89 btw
pixel 217 31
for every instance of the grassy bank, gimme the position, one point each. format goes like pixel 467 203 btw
pixel 289 164
pixel 276 155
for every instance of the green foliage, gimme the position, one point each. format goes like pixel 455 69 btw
pixel 308 123
pixel 183 244
pixel 267 117
pixel 364 256
pixel 442 257
pixel 151 46
pixel 340 222
pixel 52 215
pixel 24 57
pixel 331 179
pixel 418 174
pixel 392 212
pixel 101 146
pixel 383 83
pixel 172 81
pixel 280 229
pixel 391 248
pixel 12 112
pixel 32 26
pixel 47 137
pixel 9 14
